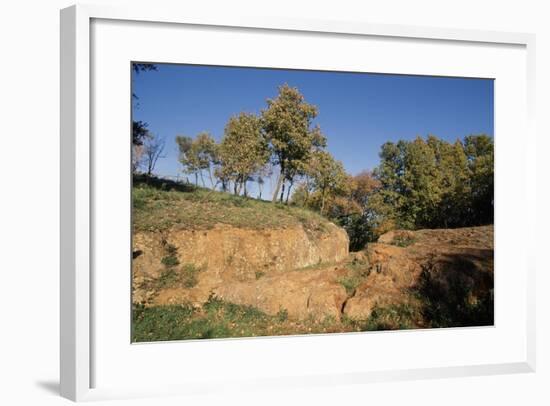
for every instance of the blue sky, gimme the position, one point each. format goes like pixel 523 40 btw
pixel 358 112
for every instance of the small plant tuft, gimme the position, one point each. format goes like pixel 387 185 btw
pixel 259 274
pixel 403 241
pixel 282 315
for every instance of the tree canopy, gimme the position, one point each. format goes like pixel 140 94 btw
pixel 243 151
pixel 286 123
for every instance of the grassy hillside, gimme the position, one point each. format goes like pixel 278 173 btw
pixel 161 204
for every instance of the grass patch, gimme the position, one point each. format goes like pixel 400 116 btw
pixel 220 319
pixel 357 273
pixel 392 317
pixel 189 275
pixel 215 319
pixel 169 277
pixel 402 241
pixel 282 315
pixel 259 274
pixel 170 261
pixel 159 205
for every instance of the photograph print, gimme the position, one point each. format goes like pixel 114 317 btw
pixel 269 202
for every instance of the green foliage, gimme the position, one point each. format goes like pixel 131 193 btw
pixel 140 132
pixel 432 183
pixel 357 273
pixel 393 317
pixel 216 319
pixel 198 155
pixel 189 275
pixel 327 175
pixel 243 151
pixel 286 123
pixel 282 315
pixel 170 261
pixel 169 277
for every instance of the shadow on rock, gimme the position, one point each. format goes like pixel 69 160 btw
pixel 457 289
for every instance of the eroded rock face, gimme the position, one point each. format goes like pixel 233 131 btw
pixel 303 275
pixel 261 268
pixel 237 253
pixel 301 294
pixel 391 272
pixel 448 257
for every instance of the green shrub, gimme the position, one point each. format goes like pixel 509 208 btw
pixel 393 317
pixel 282 315
pixel 170 261
pixel 189 275
pixel 168 277
pixel 357 272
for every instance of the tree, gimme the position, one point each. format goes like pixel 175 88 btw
pixel 286 124
pixel 153 148
pixel 328 176
pixel 243 151
pixel 352 209
pixel 139 128
pixel 198 155
pixel 479 151
pixel 185 156
pixel 454 179
pixel 433 183
pixel 204 155
pixel 422 185
pixel 261 175
pixel 139 132
pixel 143 67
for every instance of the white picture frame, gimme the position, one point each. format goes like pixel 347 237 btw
pixel 76 279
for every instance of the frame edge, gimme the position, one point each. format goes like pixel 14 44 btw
pixel 74 204
pixel 75 362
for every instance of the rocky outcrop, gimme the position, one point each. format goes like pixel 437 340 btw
pixel 307 275
pixel 299 294
pixel 239 253
pixel 446 258
pixel 246 266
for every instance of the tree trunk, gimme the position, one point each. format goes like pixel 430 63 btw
pixel 278 187
pixel 282 192
pixel 211 178
pixel 202 179
pixel 288 192
pixel 244 187
pixel 322 202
